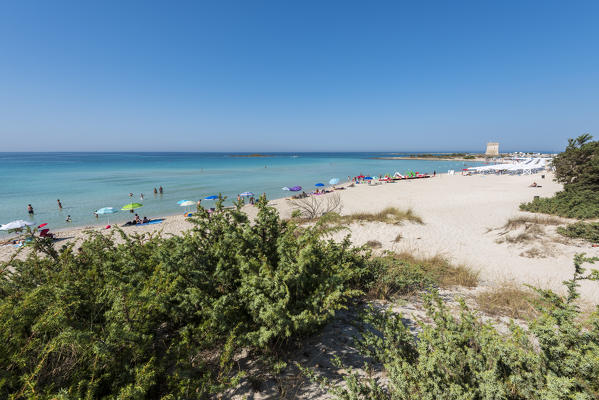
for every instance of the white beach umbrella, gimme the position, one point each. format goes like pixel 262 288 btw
pixel 187 203
pixel 18 224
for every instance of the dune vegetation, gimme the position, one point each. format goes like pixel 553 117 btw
pixel 163 317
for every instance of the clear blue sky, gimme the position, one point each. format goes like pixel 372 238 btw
pixel 297 75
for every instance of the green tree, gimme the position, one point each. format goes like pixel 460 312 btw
pixel 579 163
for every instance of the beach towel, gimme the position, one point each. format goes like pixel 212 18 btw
pixel 154 221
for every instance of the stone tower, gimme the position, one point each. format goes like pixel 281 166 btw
pixel 492 149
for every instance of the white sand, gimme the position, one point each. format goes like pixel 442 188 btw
pixel 458 212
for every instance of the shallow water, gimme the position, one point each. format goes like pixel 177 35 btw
pixel 85 182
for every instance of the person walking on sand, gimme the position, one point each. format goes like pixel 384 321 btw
pixel 30 209
pixel 59 204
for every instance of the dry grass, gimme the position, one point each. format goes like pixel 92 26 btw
pixel 374 244
pixel 508 300
pixel 524 220
pixel 389 215
pixel 443 272
pixel 535 252
pixel 531 232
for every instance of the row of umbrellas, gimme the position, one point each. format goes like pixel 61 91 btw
pixel 333 181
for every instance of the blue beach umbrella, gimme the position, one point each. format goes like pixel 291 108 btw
pixel 368 178
pixel 319 184
pixel 334 181
pixel 182 201
pixel 211 197
pixel 107 211
pixel 246 194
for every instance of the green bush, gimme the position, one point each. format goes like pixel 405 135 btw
pixel 571 203
pixel 461 357
pixel 582 230
pixel 161 317
pixel 577 168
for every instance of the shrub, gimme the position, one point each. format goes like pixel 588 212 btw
pixel 157 317
pixel 570 203
pixel 581 230
pixel 577 168
pixel 461 357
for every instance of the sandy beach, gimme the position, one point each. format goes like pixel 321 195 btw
pixel 463 217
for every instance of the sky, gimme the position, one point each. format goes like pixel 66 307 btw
pixel 297 75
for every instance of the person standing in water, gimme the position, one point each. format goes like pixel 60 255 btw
pixel 141 196
pixel 68 219
pixel 160 189
pixel 155 191
pixel 59 204
pixel 30 209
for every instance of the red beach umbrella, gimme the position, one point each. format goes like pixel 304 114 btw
pixel 42 225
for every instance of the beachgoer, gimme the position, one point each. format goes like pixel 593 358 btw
pixel 160 189
pixel 199 205
pixel 96 214
pixel 534 184
pixel 146 220
pixel 68 219
pixel 137 219
pixel 141 196
pixel 30 209
pixel 252 200
pixel 130 194
pixel 238 198
pixel 59 204
pixel 155 191
pixel 435 173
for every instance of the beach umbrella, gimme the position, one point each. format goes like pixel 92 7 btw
pixel 246 194
pixel 319 184
pixel 130 206
pixel 334 181
pixel 295 188
pixel 42 225
pixel 16 225
pixel 285 188
pixel 107 211
pixel 368 178
pixel 187 203
pixel 182 201
pixel 211 198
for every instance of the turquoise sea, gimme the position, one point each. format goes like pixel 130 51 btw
pixel 85 182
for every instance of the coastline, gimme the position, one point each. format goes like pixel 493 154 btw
pixel 463 219
pixel 477 159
